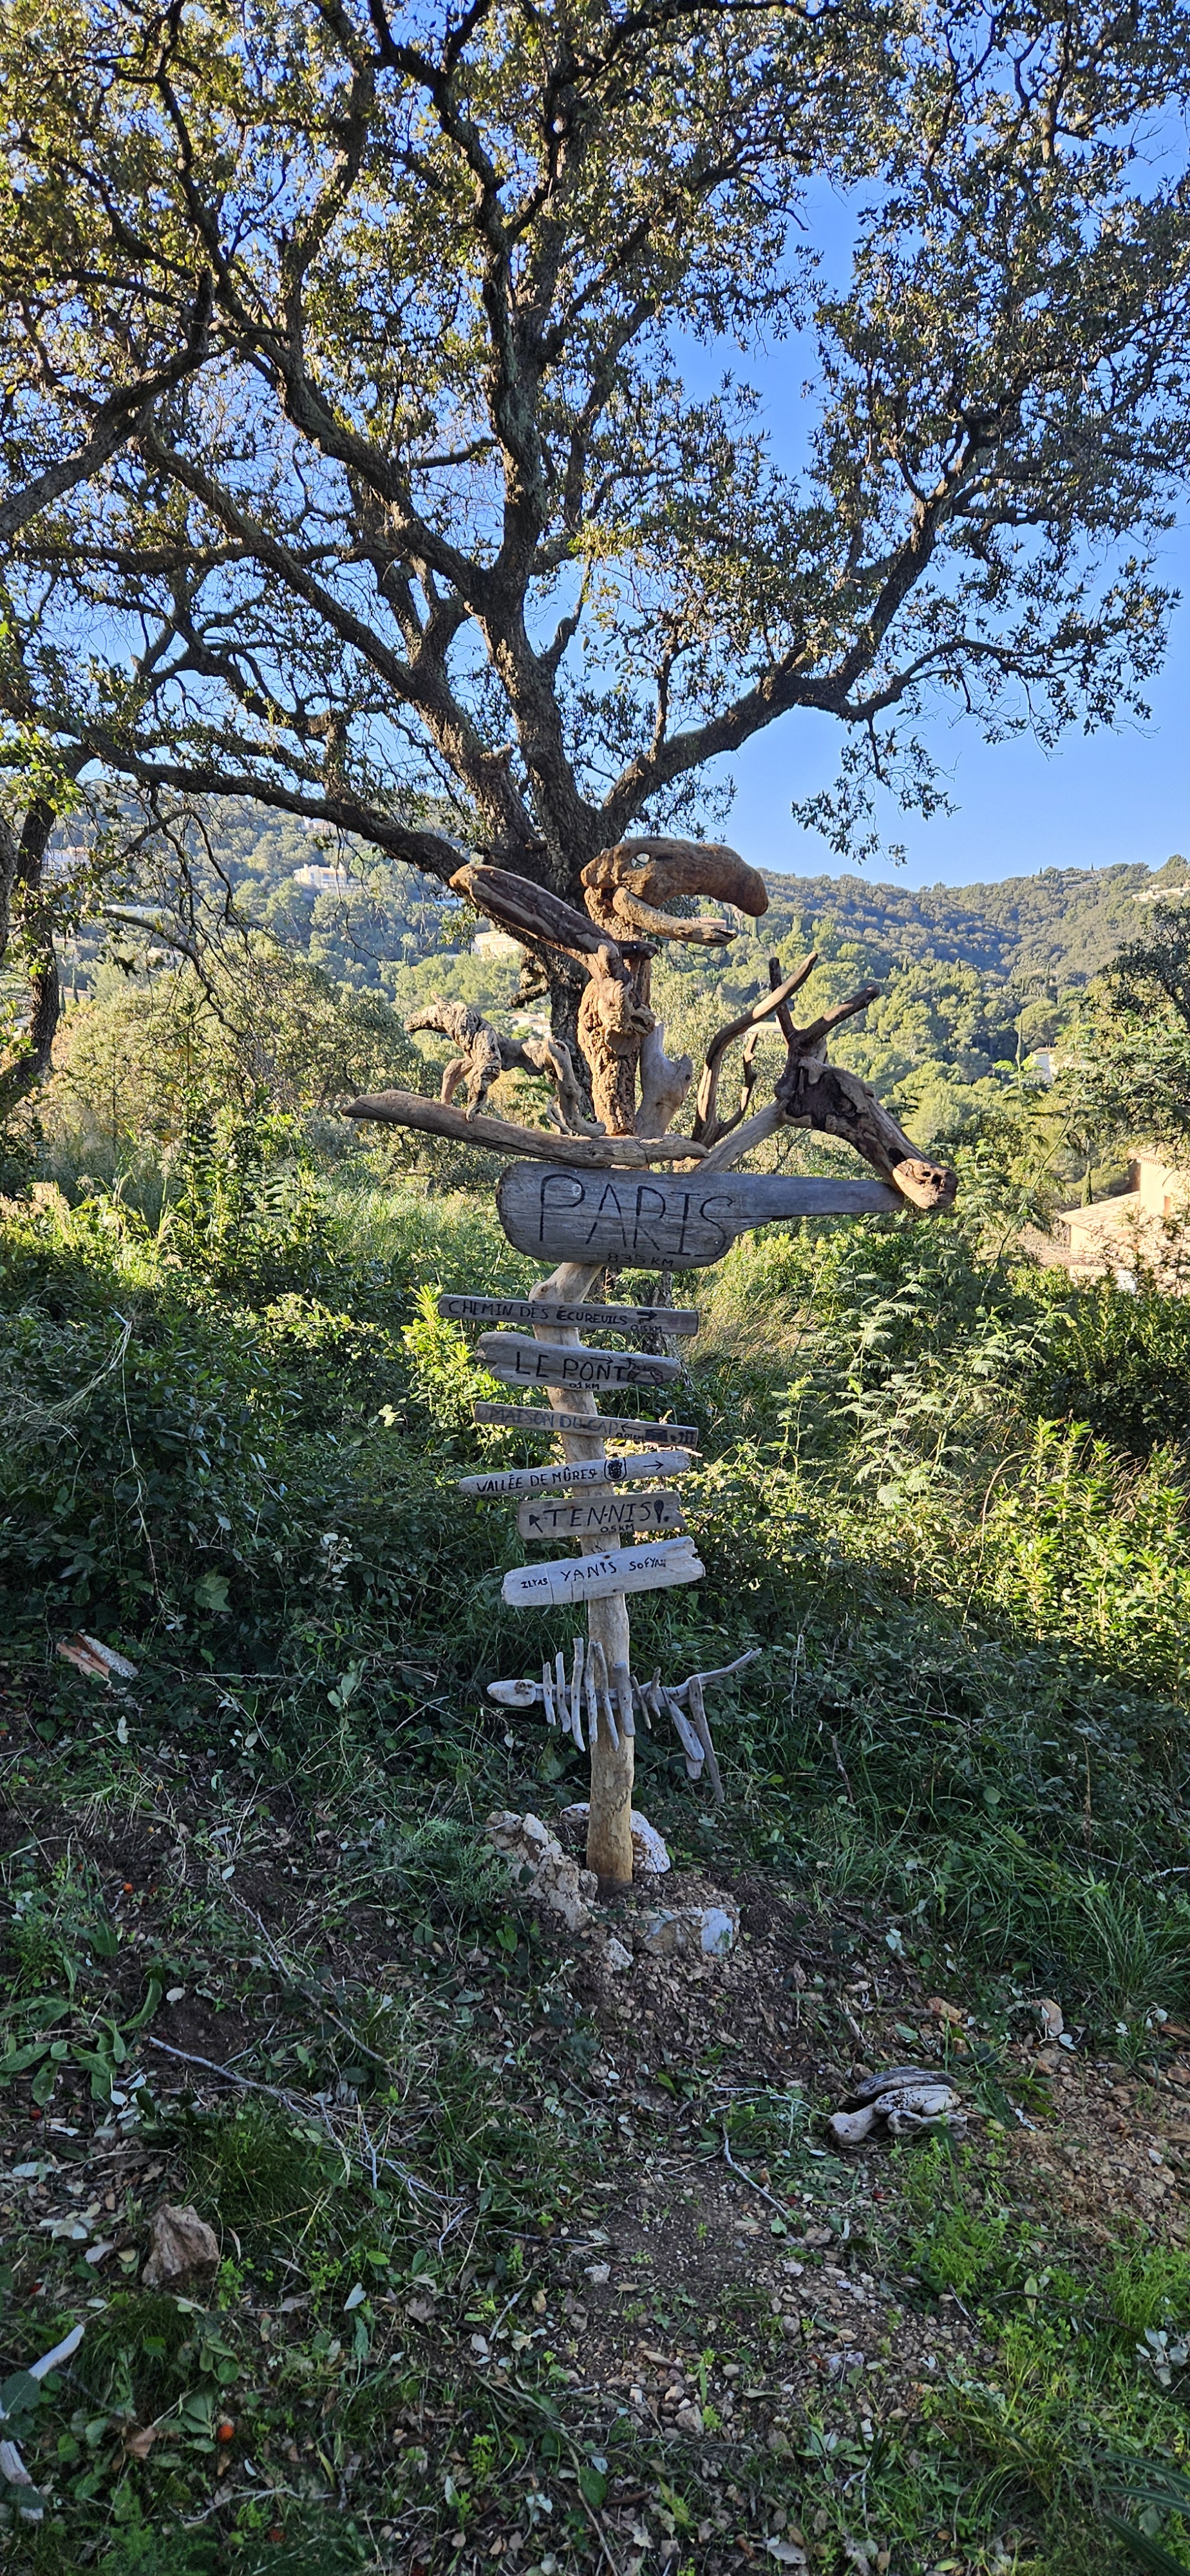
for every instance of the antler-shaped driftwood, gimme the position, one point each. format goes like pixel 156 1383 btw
pixel 486 1053
pixel 812 1093
pixel 624 885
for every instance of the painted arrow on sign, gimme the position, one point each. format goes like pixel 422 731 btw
pixel 547 1310
pixel 589 1471
pixel 607 1516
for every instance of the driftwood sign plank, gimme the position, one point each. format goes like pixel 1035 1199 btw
pixel 541 1423
pixel 624 1217
pixel 648 1568
pixel 606 1516
pixel 521 1361
pixel 597 1319
pixel 589 1471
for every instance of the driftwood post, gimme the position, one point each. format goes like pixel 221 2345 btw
pixel 603 1202
pixel 609 1827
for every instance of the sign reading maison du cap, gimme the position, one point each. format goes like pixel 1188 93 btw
pixel 635 1218
pixel 540 1422
pixel 521 1361
pixel 606 1516
pixel 647 1568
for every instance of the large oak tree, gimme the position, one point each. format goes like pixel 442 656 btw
pixel 353 457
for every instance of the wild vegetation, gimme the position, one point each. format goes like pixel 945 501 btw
pixel 378 458
pixel 945 1493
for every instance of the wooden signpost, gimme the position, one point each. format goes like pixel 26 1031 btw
pixel 594 1471
pixel 588 1196
pixel 604 1577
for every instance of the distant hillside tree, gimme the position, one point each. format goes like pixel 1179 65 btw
pixel 369 362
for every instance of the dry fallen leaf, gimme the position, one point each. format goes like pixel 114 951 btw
pixel 181 2242
pixel 138 2442
pixel 1051 2017
pixel 949 2013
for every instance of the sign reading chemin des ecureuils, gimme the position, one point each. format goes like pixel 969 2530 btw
pixel 586 1197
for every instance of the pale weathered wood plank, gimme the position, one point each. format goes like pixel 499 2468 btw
pixel 573 1471
pixel 599 1319
pixel 602 1515
pixel 538 1423
pixel 648 1568
pixel 656 1222
pixel 521 1361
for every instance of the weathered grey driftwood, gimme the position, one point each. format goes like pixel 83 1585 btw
pixel 599 1319
pixel 538 1423
pixel 572 1216
pixel 588 1153
pixel 624 886
pixel 486 1052
pixel 522 1361
pixel 605 1516
pixel 565 1472
pixel 647 1568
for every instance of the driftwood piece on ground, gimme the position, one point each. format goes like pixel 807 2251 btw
pixel 587 1153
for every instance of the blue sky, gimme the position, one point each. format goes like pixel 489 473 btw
pixel 1096 800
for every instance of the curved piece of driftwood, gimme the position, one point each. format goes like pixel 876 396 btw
pixel 591 1153
pixel 531 912
pixel 625 886
pixel 769 1007
pixel 614 1020
pixel 487 1053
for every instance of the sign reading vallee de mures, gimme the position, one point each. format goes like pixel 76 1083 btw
pixel 593 1471
pixel 520 1361
pixel 601 1515
pixel 637 1218
pixel 646 1568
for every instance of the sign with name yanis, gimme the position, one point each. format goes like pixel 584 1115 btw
pixel 648 1568
pixel 607 1516
pixel 522 1361
pixel 547 1310
pixel 630 1218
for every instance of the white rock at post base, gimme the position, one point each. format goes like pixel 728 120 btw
pixel 552 1878
pixel 690 1929
pixel 648 1848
